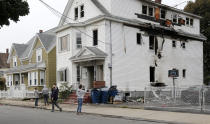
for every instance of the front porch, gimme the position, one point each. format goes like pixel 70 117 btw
pixel 89 63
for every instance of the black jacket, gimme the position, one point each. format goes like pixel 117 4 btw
pixel 54 94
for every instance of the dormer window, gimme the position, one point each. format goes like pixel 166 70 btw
pixel 14 61
pixel 189 21
pixel 39 55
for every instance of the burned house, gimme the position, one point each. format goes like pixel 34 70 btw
pixel 128 43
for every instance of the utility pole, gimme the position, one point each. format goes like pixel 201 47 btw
pixel 110 64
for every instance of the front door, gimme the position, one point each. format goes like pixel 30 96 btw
pixel 90 75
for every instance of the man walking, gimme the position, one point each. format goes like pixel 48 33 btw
pixel 54 97
pixel 80 96
pixel 36 96
pixel 45 93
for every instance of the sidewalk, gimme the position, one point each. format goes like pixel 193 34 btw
pixel 127 113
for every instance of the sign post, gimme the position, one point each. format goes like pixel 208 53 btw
pixel 174 73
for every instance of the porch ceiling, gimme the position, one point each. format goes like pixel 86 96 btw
pixel 25 68
pixel 89 54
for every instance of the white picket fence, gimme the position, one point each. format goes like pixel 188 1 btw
pixel 17 92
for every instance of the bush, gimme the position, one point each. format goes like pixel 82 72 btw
pixel 65 91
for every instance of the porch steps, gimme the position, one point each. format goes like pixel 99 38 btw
pixel 72 99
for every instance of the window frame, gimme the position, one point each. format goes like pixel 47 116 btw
pixel 174 44
pixel 82 11
pixel 184 73
pixel 78 37
pixel 152 46
pixel 60 44
pixel 138 38
pixel 143 9
pixel 162 10
pixel 39 54
pixel 95 37
pixel 76 13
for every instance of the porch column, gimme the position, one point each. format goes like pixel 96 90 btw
pixel 95 72
pixel 20 76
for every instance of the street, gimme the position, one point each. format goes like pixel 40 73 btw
pixel 19 115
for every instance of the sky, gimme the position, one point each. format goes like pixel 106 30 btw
pixel 41 18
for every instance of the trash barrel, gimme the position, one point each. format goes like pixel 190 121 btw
pixel 95 96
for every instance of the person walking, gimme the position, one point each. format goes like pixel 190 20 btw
pixel 80 95
pixel 54 98
pixel 36 96
pixel 45 93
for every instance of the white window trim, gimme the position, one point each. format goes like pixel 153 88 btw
pixel 39 51
pixel 68 44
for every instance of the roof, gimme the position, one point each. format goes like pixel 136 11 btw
pixel 48 39
pixel 24 68
pixel 88 54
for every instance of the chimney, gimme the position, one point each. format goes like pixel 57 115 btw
pixel 7 51
pixel 40 31
pixel 158 1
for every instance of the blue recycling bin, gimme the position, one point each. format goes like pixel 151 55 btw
pixel 95 96
pixel 104 97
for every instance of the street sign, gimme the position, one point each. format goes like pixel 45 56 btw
pixel 173 73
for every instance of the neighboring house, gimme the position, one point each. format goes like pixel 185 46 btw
pixel 33 64
pixel 128 43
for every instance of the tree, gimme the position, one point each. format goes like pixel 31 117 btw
pixel 12 10
pixel 202 8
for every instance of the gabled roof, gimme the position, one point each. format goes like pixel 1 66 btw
pixel 88 54
pixel 24 51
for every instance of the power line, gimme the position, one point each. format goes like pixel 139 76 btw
pixel 57 13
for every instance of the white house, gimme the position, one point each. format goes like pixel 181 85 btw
pixel 128 43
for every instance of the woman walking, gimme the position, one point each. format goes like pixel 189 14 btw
pixel 36 96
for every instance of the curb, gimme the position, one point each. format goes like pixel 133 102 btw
pixel 102 115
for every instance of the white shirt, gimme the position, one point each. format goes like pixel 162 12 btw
pixel 80 93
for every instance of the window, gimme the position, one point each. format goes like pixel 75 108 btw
pixel 175 20
pixel 183 45
pixel 14 61
pixel 78 40
pixel 76 13
pixel 39 55
pixel 78 73
pixel 144 9
pixel 95 37
pixel 151 42
pixel 187 21
pixel 151 11
pixel 82 12
pixel 64 43
pixel 42 77
pixel 174 44
pixel 152 74
pixel 191 22
pixel 138 38
pixel 63 75
pixel 35 79
pixel 29 78
pixel 163 14
pixel 184 73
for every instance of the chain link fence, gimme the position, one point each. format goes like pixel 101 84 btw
pixel 193 98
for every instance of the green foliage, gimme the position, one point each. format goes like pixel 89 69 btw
pixel 65 91
pixel 12 10
pixel 202 8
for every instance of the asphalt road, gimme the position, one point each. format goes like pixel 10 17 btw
pixel 19 115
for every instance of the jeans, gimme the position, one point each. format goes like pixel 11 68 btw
pixel 36 101
pixel 79 108
pixel 54 102
pixel 46 99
